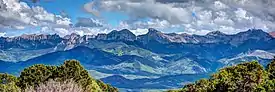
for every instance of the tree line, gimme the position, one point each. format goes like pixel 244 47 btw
pixel 72 77
pixel 244 77
pixel 68 77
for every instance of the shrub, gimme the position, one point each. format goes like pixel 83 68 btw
pixel 56 86
pixel 72 69
pixel 8 83
pixel 39 74
pixel 241 78
pixel 271 69
pixel 106 87
pixel 35 75
pixel 245 77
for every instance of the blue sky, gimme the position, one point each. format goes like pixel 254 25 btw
pixel 74 9
pixel 102 16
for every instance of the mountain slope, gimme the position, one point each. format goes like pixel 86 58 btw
pixel 152 55
pixel 164 82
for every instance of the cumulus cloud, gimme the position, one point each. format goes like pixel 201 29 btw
pixel 18 15
pixel 2 34
pixel 79 30
pixel 148 9
pixel 88 7
pixel 154 23
pixel 189 16
pixel 17 18
pixel 195 16
pixel 88 22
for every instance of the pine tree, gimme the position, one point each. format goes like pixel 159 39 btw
pixel 8 83
pixel 271 69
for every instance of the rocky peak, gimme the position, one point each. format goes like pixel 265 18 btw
pixel 113 32
pixel 185 35
pixel 35 37
pixel 215 33
pixel 73 39
pixel 255 30
pixel 125 35
pixel 72 36
pixel 152 31
pixel 172 34
pixel 87 37
pixel 101 36
pixel 251 34
pixel 255 34
pixel 153 35
pixel 123 31
pixel 33 41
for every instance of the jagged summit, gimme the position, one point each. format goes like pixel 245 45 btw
pixel 72 36
pixel 152 31
pixel 254 32
pixel 35 37
pixel 122 35
pixel 152 35
pixel 215 33
pixel 123 31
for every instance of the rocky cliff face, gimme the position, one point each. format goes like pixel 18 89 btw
pixel 122 35
pixel 126 35
pixel 30 41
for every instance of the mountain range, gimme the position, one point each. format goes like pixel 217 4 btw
pixel 154 60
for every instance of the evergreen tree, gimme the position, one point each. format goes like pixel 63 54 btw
pixel 35 75
pixel 8 83
pixel 245 77
pixel 271 69
pixel 71 70
pixel 106 87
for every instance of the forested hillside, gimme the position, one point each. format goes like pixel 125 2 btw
pixel 68 77
pixel 72 77
pixel 245 77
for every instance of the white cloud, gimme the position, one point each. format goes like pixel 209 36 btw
pixel 90 31
pixel 88 22
pixel 201 16
pixel 43 15
pixel 147 9
pixel 81 31
pixel 141 27
pixel 218 5
pixel 242 14
pixel 63 21
pixel 139 31
pixel 88 8
pixel 192 16
pixel 2 34
pixel 18 15
pixel 61 31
